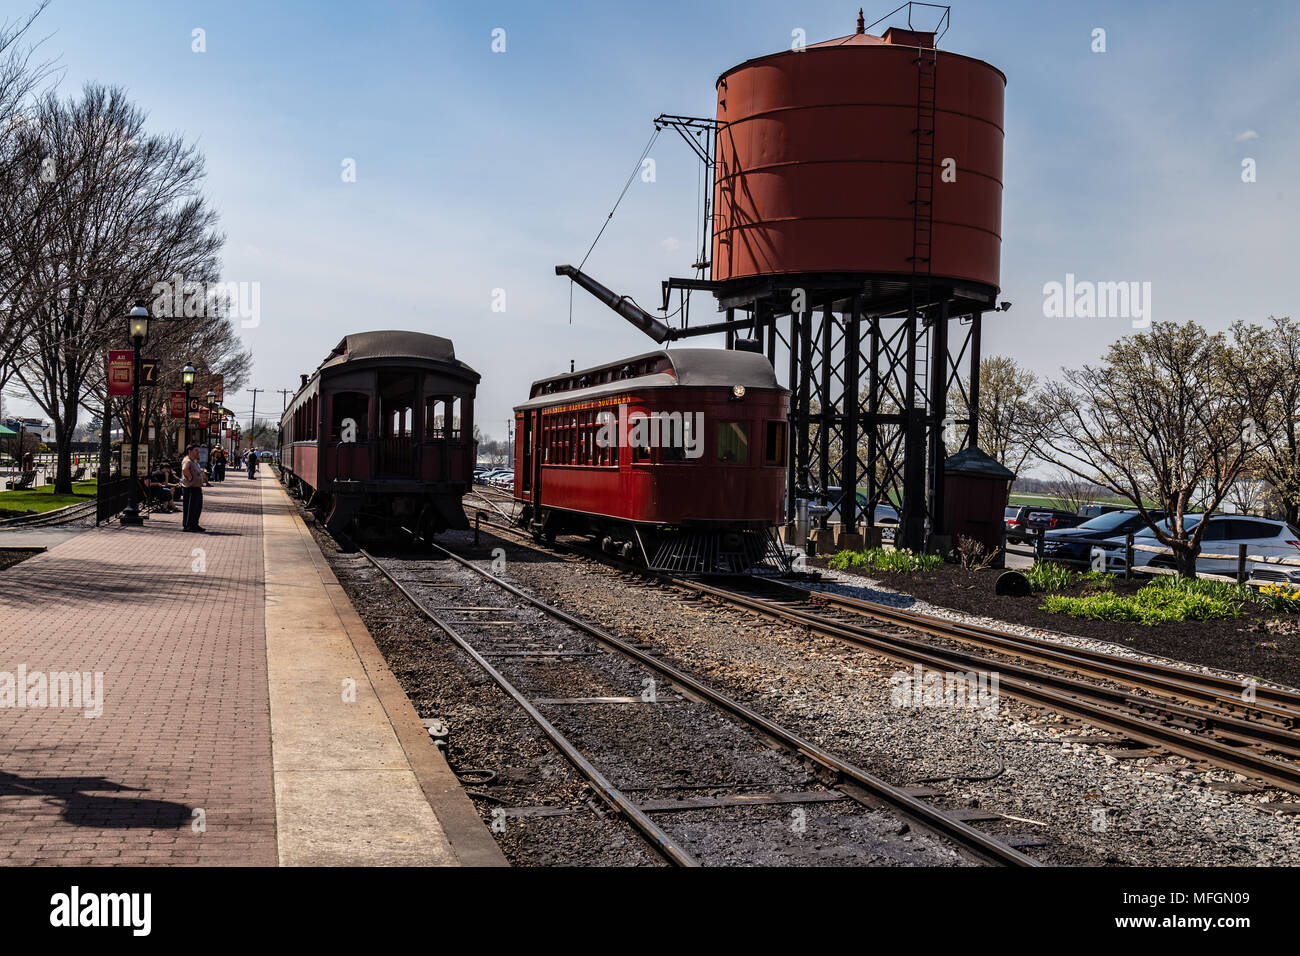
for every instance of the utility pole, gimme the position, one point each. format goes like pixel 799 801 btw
pixel 284 398
pixel 252 419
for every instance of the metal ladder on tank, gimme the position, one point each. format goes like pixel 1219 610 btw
pixel 927 66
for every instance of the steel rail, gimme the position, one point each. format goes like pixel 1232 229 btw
pixel 984 845
pixel 1278 703
pixel 1036 687
pixel 664 844
pixel 1153 677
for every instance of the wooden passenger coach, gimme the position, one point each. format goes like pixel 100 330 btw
pixel 382 435
pixel 698 485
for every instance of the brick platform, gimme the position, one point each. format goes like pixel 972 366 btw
pixel 193 718
pixel 174 621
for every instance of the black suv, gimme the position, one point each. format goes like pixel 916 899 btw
pixel 1093 511
pixel 1074 545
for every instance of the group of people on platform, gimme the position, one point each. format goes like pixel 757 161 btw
pixel 170 481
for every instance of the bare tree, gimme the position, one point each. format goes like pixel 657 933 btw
pixel 126 213
pixel 24 219
pixel 1276 351
pixel 1009 423
pixel 1071 493
pixel 1160 419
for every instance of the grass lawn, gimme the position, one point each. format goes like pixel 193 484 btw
pixel 43 499
pixel 1019 499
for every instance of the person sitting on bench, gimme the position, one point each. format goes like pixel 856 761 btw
pixel 156 487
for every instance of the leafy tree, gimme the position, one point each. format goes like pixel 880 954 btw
pixel 1009 424
pixel 126 213
pixel 1161 419
pixel 1275 354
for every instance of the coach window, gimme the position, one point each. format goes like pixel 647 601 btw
pixel 638 436
pixel 451 419
pixel 733 442
pixel 433 417
pixel 606 438
pixel 676 437
pixel 345 405
pixel 774 443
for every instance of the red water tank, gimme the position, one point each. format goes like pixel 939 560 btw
pixel 817 161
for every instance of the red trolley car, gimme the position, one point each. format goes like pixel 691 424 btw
pixel 678 457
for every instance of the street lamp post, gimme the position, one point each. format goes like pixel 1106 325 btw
pixel 187 376
pixel 138 332
pixel 212 402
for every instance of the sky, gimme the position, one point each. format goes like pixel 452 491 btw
pixel 476 171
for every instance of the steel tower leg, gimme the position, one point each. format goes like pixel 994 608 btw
pixel 938 413
pixel 827 410
pixel 796 422
pixel 805 371
pixel 849 433
pixel 972 430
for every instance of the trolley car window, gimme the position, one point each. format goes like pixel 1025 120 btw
pixel 774 444
pixel 345 405
pixel 733 442
pixel 606 439
pixel 675 437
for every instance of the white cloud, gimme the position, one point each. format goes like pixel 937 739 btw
pixel 1248 134
pixel 671 244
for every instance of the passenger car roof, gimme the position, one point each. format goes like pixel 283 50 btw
pixel 688 368
pixel 392 344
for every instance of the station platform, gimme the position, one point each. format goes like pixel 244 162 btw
pixel 230 706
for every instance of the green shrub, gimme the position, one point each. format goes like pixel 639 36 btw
pixel 1165 599
pixel 1094 581
pixel 881 559
pixel 1045 576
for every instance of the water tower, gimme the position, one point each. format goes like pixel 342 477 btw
pixel 852 231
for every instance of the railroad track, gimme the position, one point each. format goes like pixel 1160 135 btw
pixel 1251 747
pixel 1278 704
pixel 1204 718
pixel 51 518
pixel 847 779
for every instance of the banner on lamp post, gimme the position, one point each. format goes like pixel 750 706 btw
pixel 121 370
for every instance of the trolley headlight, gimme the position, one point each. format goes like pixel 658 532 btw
pixel 737 391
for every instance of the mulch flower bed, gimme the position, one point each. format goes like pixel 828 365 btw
pixel 1257 643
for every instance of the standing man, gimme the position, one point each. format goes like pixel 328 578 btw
pixel 192 480
pixel 252 463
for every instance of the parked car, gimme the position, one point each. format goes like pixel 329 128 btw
pixel 502 479
pixel 886 516
pixel 1074 545
pixel 1266 539
pixel 1050 519
pixel 1093 511
pixel 1021 522
pixel 1013 522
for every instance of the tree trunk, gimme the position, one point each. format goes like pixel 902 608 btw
pixel 1185 560
pixel 64 427
pixel 105 442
